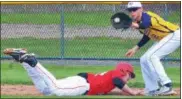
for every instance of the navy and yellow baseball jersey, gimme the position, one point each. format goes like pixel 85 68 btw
pixel 155 27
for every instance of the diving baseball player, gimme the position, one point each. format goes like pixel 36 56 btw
pixel 167 37
pixel 81 84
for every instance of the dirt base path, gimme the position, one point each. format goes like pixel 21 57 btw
pixel 23 90
pixel 19 90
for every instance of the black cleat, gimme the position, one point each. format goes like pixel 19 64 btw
pixel 30 59
pixel 16 53
pixel 20 55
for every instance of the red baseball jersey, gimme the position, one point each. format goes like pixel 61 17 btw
pixel 103 83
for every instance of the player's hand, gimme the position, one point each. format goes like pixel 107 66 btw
pixel 130 53
pixel 141 93
pixel 138 92
pixel 134 25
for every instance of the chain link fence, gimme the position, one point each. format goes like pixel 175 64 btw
pixel 75 31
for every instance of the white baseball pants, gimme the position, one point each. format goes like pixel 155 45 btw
pixel 47 84
pixel 152 69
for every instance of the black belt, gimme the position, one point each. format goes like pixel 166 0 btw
pixel 85 93
pixel 85 76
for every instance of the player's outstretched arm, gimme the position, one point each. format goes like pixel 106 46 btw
pixel 130 91
pixel 142 42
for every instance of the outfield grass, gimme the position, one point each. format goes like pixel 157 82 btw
pixel 174 17
pixel 71 18
pixel 17 74
pixel 101 47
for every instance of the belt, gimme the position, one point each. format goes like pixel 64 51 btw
pixel 85 76
pixel 85 93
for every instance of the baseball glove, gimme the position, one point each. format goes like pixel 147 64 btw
pixel 121 20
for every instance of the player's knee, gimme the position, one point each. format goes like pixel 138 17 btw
pixel 151 58
pixel 154 57
pixel 146 58
pixel 46 91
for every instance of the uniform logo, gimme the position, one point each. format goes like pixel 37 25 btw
pixel 130 3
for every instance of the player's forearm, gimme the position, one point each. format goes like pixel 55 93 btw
pixel 136 48
pixel 128 90
pixel 143 41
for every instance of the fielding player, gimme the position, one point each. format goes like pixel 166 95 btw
pixel 81 84
pixel 167 37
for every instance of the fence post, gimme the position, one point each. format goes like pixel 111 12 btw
pixel 113 8
pixel 84 6
pixel 165 17
pixel 165 12
pixel 62 31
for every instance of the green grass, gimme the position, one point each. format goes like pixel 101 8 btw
pixel 91 97
pixel 174 17
pixel 17 74
pixel 71 18
pixel 101 47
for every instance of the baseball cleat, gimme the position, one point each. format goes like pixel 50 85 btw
pixel 29 59
pixel 16 53
pixel 163 91
pixel 152 93
pixel 166 90
pixel 20 55
pixel 169 93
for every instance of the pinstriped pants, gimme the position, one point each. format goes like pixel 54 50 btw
pixel 47 84
pixel 153 71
